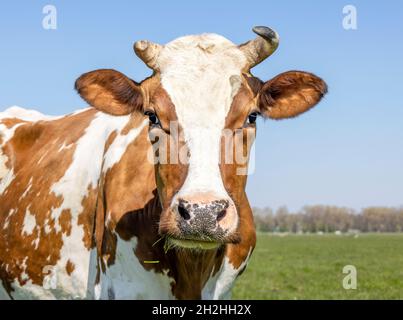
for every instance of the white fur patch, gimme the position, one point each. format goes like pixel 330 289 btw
pixel 127 279
pixel 219 286
pixel 3 169
pixel 29 223
pixel 6 174
pixel 119 146
pixel 6 180
pixel 25 114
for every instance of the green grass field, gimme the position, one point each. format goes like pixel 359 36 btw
pixel 310 267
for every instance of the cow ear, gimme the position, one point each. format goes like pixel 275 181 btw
pixel 289 94
pixel 110 91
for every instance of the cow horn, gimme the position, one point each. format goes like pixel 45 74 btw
pixel 148 52
pixel 260 48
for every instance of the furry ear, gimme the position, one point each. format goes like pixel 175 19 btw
pixel 110 91
pixel 290 93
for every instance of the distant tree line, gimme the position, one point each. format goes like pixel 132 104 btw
pixel 320 218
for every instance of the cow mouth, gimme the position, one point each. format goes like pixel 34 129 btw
pixel 191 244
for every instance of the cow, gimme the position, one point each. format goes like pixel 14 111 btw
pixel 96 205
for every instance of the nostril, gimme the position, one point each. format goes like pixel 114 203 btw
pixel 183 212
pixel 221 214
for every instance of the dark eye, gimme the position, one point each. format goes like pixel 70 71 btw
pixel 153 118
pixel 252 117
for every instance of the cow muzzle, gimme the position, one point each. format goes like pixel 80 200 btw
pixel 200 221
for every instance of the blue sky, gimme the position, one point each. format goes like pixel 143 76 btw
pixel 348 151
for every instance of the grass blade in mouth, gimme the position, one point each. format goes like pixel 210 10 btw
pixel 190 244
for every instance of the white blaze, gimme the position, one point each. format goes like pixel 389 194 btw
pixel 196 73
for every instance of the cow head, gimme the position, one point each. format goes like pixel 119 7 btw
pixel 202 103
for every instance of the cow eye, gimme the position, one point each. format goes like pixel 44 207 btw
pixel 252 117
pixel 154 121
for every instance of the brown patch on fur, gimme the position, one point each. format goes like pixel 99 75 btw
pixel 238 253
pixel 100 219
pixel 162 105
pixel 65 221
pixel 109 242
pixel 143 223
pixel 11 122
pixel 27 135
pixel 87 216
pixel 291 93
pixel 70 267
pixel 242 105
pixel 191 271
pixel 110 91
pixel 255 84
pixel 110 140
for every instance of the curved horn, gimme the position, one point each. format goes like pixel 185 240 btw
pixel 148 52
pixel 260 48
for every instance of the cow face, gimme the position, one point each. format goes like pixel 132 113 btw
pixel 202 103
